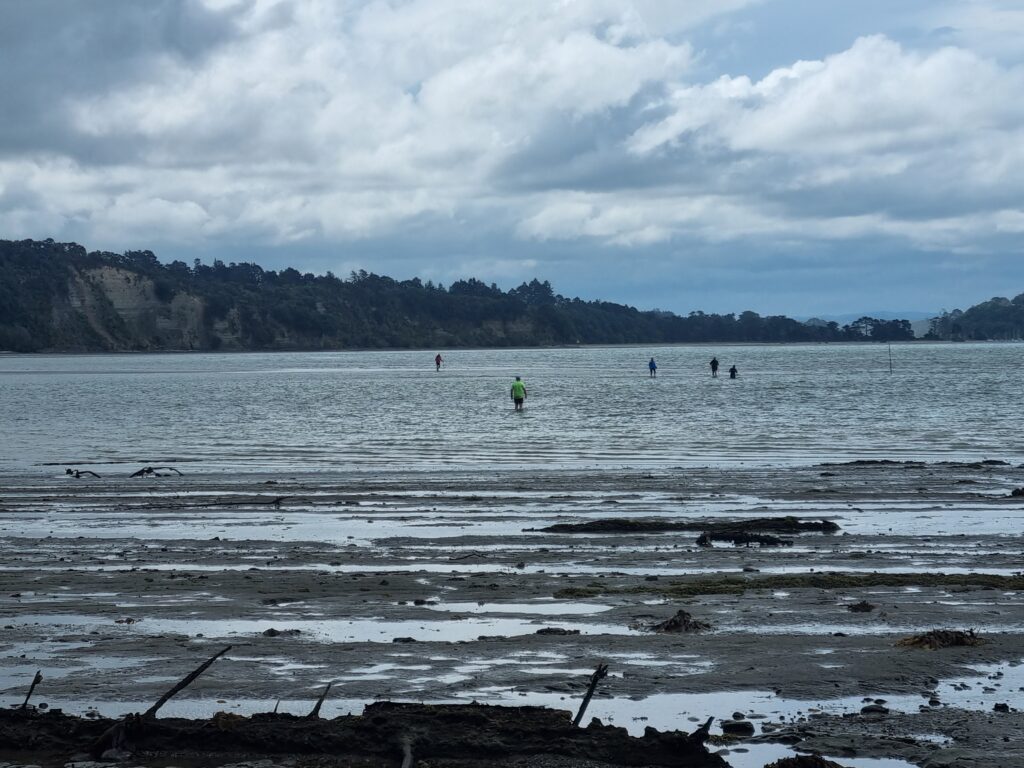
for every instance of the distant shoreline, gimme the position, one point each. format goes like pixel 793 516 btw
pixel 639 345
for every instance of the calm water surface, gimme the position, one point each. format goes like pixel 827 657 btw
pixel 586 407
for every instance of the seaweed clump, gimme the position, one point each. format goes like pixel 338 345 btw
pixel 680 623
pixel 804 761
pixel 935 639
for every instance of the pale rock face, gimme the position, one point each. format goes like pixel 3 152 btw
pixel 123 309
pixel 132 295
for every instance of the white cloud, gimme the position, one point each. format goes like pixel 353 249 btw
pixel 353 117
pixel 871 98
pixel 334 122
pixel 993 25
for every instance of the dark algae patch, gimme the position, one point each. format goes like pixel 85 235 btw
pixel 789 525
pixel 862 607
pixel 742 538
pixel 680 623
pixel 942 638
pixel 804 761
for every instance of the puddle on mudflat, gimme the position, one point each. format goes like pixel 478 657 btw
pixel 376 669
pixel 849 629
pixel 19 674
pixel 43 650
pixel 556 569
pixel 760 755
pixel 182 600
pixel 581 672
pixel 537 607
pixel 326 630
pixel 277 662
pixel 684 664
pixel 661 711
pixel 992 684
pixel 29 598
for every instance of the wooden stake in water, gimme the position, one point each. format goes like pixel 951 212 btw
pixel 890 359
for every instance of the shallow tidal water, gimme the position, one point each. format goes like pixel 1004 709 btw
pixel 402 514
pixel 587 407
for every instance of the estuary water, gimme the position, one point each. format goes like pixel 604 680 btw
pixel 586 407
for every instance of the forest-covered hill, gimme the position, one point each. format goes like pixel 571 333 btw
pixel 999 319
pixel 57 296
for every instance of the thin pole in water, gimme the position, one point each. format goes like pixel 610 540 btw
pixel 890 358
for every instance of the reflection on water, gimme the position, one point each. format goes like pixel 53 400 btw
pixel 587 407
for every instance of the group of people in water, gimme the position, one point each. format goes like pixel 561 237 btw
pixel 518 391
pixel 733 372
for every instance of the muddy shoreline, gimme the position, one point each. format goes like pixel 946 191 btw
pixel 114 586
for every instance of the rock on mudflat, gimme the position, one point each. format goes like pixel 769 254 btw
pixel 738 728
pixel 804 761
pixel 874 709
pixel 557 631
pixel 681 622
pixel 281 632
pixel 862 607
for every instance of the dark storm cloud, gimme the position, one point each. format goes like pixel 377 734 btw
pixel 55 50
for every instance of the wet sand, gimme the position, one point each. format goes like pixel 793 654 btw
pixel 428 587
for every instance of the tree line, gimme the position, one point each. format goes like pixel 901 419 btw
pixel 51 299
pixel 997 319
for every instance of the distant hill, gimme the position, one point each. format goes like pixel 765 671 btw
pixel 59 297
pixel 997 319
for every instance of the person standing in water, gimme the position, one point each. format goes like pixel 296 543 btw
pixel 653 366
pixel 714 367
pixel 438 360
pixel 733 373
pixel 518 393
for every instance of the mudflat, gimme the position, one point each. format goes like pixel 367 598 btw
pixel 442 587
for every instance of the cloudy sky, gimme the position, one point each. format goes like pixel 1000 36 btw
pixel 798 156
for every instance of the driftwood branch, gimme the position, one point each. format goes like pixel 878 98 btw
pixel 599 674
pixel 119 735
pixel 185 682
pixel 80 473
pixel 319 703
pixel 35 681
pixel 146 471
pixel 701 734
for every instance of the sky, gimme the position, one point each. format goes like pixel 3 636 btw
pixel 805 157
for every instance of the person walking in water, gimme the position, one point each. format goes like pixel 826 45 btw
pixel 438 360
pixel 653 366
pixel 518 393
pixel 714 367
pixel 733 373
